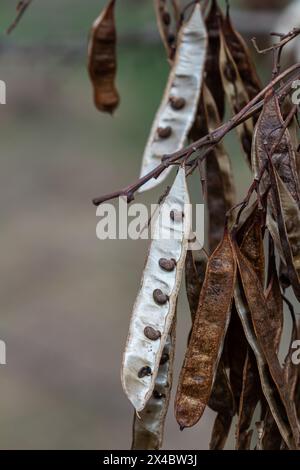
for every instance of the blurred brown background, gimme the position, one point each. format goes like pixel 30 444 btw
pixel 65 296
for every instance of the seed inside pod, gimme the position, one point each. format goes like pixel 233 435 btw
pixel 167 264
pixel 144 371
pixel 164 132
pixel 151 333
pixel 177 103
pixel 159 297
pixel 176 216
pixel 164 358
pixel 171 39
pixel 157 395
pixel 166 18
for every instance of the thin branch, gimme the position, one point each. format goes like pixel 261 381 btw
pixel 209 141
pixel 286 38
pixel 21 8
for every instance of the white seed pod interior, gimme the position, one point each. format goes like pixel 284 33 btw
pixel 155 305
pixel 148 427
pixel 177 111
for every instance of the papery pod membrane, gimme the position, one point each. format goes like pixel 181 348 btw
pixel 102 61
pixel 177 111
pixel 241 56
pixel 206 343
pixel 267 132
pixel 236 94
pixel 148 426
pixel 154 308
pixel 288 220
pixel 265 330
pixel 213 77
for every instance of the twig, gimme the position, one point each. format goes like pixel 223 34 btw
pixel 285 39
pixel 209 141
pixel 21 8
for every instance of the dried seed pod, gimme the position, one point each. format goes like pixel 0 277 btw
pixel 213 77
pixel 148 427
pixel 102 62
pixel 194 281
pixel 163 19
pixel 170 240
pixel 267 132
pixel 236 93
pixel 287 210
pixel 241 56
pixel 265 330
pixel 184 83
pixel 206 343
pixel 222 401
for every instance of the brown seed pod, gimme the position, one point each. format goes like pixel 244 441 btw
pixel 102 62
pixel 265 330
pixel 206 343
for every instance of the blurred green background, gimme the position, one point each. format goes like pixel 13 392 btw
pixel 66 297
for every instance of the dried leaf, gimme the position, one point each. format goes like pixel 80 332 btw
pixel 209 329
pixel 148 427
pixel 154 308
pixel 102 62
pixel 177 111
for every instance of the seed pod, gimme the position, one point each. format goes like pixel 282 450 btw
pixel 267 132
pixel 265 330
pixel 236 93
pixel 287 210
pixel 241 56
pixel 102 62
pixel 221 401
pixel 206 343
pixel 213 77
pixel 184 83
pixel 163 19
pixel 170 240
pixel 148 427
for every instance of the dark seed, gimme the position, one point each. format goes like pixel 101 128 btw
pixel 176 216
pixel 164 358
pixel 177 103
pixel 167 264
pixel 166 18
pixel 144 371
pixel 157 395
pixel 151 333
pixel 164 132
pixel 159 297
pixel 171 39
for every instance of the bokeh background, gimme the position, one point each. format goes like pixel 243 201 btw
pixel 66 297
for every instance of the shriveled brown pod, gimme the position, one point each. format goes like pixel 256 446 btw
pixel 164 20
pixel 148 426
pixel 206 343
pixel 265 330
pixel 102 61
pixel 241 56
pixel 236 94
pixel 267 133
pixel 213 77
pixel 222 401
